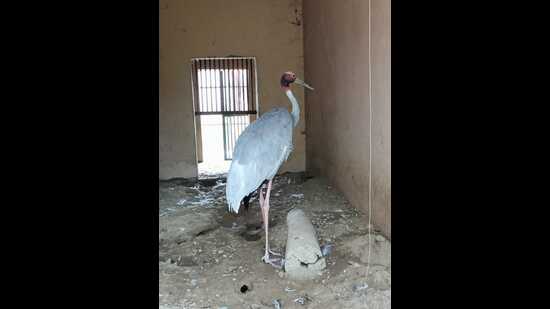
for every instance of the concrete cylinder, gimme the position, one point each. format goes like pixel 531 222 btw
pixel 303 260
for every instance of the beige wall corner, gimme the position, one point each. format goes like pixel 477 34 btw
pixel 338 112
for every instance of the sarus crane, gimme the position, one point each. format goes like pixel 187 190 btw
pixel 259 152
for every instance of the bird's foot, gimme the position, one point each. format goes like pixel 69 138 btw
pixel 275 253
pixel 275 262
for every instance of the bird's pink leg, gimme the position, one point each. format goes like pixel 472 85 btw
pixel 262 201
pixel 261 197
pixel 265 212
pixel 261 194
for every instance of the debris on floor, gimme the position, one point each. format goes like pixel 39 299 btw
pixel 300 195
pixel 326 249
pixel 277 304
pixel 303 300
pixel 208 257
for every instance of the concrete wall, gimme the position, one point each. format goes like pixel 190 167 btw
pixel 267 29
pixel 336 53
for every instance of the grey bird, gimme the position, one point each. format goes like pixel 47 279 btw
pixel 259 152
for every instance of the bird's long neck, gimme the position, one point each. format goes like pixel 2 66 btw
pixel 295 106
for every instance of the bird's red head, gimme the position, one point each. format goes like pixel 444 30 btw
pixel 290 77
pixel 287 79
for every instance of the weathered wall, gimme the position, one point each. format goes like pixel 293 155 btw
pixel 265 29
pixel 336 54
pixel 381 104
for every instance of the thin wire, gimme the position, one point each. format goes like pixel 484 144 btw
pixel 370 142
pixel 389 126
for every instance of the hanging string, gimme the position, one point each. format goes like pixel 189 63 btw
pixel 370 143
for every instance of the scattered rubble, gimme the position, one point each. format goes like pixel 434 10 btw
pixel 207 255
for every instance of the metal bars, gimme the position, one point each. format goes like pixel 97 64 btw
pixel 233 127
pixel 225 86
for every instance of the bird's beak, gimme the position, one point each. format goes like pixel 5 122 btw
pixel 303 84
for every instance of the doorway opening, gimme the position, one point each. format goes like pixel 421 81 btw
pixel 225 103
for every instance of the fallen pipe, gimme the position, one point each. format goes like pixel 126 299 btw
pixel 303 260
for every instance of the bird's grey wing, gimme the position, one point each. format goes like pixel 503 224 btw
pixel 259 152
pixel 267 143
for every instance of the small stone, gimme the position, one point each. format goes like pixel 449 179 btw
pixel 231 269
pixel 380 238
pixel 358 287
pixel 354 264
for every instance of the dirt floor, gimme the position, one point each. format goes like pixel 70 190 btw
pixel 206 255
